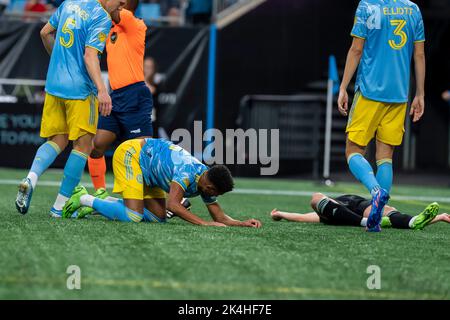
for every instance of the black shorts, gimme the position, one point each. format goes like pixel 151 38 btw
pixel 354 203
pixel 131 114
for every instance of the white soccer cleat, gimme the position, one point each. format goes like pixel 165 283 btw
pixel 23 198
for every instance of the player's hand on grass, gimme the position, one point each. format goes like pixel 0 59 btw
pixel 104 103
pixel 343 102
pixel 444 217
pixel 252 223
pixel 417 108
pixel 275 215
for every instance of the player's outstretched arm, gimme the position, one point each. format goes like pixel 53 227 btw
pixel 310 217
pixel 353 59
pixel 443 217
pixel 418 104
pixel 48 37
pixel 174 205
pixel 219 215
pixel 93 67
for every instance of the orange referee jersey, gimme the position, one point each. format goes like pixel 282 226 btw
pixel 125 48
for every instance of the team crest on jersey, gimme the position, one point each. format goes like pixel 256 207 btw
pixel 114 37
pixel 101 37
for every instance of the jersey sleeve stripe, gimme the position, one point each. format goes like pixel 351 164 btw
pixel 55 27
pixel 94 48
pixel 355 36
pixel 179 185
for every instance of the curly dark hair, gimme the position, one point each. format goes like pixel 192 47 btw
pixel 220 176
pixel 132 5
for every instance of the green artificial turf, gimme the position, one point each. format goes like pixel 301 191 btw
pixel 176 260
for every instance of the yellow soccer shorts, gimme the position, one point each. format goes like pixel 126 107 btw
pixel 128 179
pixel 368 117
pixel 72 117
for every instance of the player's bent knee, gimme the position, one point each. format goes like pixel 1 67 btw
pixel 99 147
pixel 61 140
pixel 97 153
pixel 351 147
pixel 388 209
pixel 315 199
pixel 84 143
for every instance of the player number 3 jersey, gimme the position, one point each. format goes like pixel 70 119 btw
pixel 79 24
pixel 390 29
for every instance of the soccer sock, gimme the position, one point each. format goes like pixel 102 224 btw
pixel 73 171
pixel 384 174
pixel 60 202
pixel 400 220
pixel 113 210
pixel 362 170
pixel 363 222
pixel 150 217
pixel 87 200
pixel 147 217
pixel 109 198
pixel 44 157
pixel 334 213
pixel 97 170
pixel 412 221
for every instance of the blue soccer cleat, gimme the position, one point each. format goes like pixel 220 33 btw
pixel 23 198
pixel 379 200
pixel 54 213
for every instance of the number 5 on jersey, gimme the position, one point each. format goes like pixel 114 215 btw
pixel 66 30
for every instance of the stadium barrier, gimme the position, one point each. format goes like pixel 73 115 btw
pixel 19 135
pixel 299 116
pixel 27 85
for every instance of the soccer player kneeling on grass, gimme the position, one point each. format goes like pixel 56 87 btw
pixel 144 170
pixel 353 210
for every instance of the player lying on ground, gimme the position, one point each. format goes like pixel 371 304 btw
pixel 353 210
pixel 144 170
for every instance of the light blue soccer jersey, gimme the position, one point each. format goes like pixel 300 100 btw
pixel 79 24
pixel 163 162
pixel 390 29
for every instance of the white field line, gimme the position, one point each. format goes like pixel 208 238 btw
pixel 211 288
pixel 292 193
